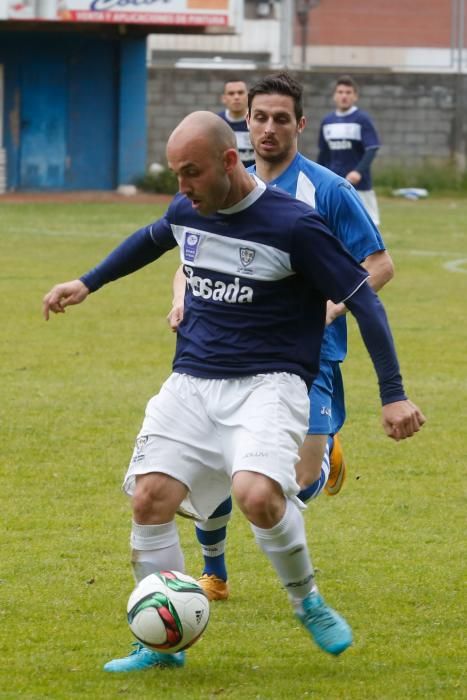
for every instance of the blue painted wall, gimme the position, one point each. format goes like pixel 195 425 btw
pixel 75 110
pixel 132 142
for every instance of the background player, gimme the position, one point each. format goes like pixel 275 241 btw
pixel 348 143
pixel 275 116
pixel 246 350
pixel 235 99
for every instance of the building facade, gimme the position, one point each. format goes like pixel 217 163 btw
pixel 74 109
pixel 73 82
pixel 420 35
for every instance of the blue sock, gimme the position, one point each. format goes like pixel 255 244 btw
pixel 314 489
pixel 211 535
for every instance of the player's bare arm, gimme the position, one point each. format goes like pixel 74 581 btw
pixel 62 295
pixel 381 269
pixel 175 315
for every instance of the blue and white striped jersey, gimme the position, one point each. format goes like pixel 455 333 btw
pixel 343 212
pixel 343 139
pixel 242 136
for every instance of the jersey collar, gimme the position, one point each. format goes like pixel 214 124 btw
pixel 346 112
pixel 248 200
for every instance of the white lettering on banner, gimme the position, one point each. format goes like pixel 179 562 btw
pixel 206 288
pixel 149 16
pixel 106 4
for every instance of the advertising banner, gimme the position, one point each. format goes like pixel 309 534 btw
pixel 176 13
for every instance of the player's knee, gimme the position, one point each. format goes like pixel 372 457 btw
pixel 156 498
pixel 259 498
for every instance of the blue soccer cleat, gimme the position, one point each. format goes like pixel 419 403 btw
pixel 329 630
pixel 142 657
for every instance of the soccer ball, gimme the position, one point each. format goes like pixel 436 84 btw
pixel 168 611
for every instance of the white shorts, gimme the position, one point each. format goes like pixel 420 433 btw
pixel 370 202
pixel 201 431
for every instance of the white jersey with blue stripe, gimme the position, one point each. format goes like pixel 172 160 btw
pixel 341 208
pixel 258 277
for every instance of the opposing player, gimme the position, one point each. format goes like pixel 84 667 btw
pixel 235 99
pixel 348 143
pixel 232 416
pixel 275 116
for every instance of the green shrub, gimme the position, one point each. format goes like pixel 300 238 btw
pixel 434 177
pixel 163 182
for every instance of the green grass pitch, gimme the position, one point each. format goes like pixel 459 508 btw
pixel 388 550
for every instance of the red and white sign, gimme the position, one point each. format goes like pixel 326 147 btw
pixel 176 13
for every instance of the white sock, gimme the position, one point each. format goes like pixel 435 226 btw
pixel 155 548
pixel 286 548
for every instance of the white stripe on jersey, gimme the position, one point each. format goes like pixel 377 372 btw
pixel 305 190
pixel 232 256
pixel 344 130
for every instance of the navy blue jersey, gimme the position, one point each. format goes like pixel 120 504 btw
pixel 343 140
pixel 242 135
pixel 258 277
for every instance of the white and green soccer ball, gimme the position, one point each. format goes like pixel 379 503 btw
pixel 168 611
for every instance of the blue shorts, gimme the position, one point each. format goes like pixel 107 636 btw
pixel 327 405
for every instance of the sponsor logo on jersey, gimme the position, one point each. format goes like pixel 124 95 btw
pixel 342 145
pixel 190 246
pixel 217 290
pixel 342 130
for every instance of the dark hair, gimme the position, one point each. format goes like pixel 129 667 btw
pixel 279 84
pixel 347 80
pixel 235 79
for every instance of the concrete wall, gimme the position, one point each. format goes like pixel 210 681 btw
pixel 419 117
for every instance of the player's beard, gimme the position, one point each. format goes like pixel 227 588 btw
pixel 274 156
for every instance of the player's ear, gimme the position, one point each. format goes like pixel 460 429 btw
pixel 301 124
pixel 230 159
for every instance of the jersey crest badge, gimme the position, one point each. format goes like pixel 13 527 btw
pixel 247 255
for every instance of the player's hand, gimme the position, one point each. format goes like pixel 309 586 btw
pixel 401 419
pixel 353 177
pixel 333 311
pixel 65 294
pixel 175 316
